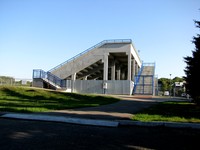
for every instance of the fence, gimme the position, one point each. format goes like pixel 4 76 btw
pixel 124 87
pixel 15 81
pixel 145 85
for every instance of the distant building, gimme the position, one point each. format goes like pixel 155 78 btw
pixel 178 88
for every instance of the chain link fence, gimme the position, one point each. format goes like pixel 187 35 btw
pixel 5 80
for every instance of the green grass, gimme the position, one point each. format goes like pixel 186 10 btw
pixel 23 99
pixel 170 111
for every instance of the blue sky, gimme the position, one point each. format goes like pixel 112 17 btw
pixel 40 34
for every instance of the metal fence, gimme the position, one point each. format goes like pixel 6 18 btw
pixel 145 85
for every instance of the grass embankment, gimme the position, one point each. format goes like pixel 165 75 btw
pixel 170 111
pixel 22 99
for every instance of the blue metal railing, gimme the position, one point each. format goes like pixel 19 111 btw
pixel 151 64
pixel 137 77
pixel 38 73
pixel 41 74
pixel 89 49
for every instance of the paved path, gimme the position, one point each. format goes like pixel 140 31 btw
pixel 121 110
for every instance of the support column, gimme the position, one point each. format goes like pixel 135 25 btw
pixel 129 67
pixel 85 78
pixel 133 69
pixel 113 70
pixel 73 78
pixel 118 72
pixel 136 69
pixel 105 68
pixel 123 75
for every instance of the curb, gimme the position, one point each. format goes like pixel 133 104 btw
pixel 62 119
pixel 159 124
pixel 95 122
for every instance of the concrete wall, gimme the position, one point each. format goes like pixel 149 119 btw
pixel 122 87
pixel 38 83
pixel 88 86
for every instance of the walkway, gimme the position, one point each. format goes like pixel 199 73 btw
pixel 121 110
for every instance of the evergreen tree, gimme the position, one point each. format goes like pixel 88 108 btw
pixel 192 70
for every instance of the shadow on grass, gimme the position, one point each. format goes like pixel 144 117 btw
pixel 15 110
pixel 185 110
pixel 52 95
pixel 13 93
pixel 24 100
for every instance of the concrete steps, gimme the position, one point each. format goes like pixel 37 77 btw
pixel 94 55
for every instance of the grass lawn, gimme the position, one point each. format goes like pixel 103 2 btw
pixel 170 111
pixel 23 99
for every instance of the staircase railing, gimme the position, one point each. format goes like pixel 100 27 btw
pixel 137 77
pixel 140 74
pixel 41 74
pixel 149 64
pixel 89 49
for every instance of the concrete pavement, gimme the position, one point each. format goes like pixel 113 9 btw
pixel 121 110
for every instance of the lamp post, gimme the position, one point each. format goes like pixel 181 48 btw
pixel 170 84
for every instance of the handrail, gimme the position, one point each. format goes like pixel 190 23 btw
pixel 137 78
pixel 149 64
pixel 95 46
pixel 41 74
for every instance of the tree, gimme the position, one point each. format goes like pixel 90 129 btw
pixel 177 79
pixel 167 84
pixel 164 84
pixel 6 80
pixel 192 69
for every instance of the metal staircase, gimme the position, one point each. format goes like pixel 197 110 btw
pixel 49 78
pixel 144 81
